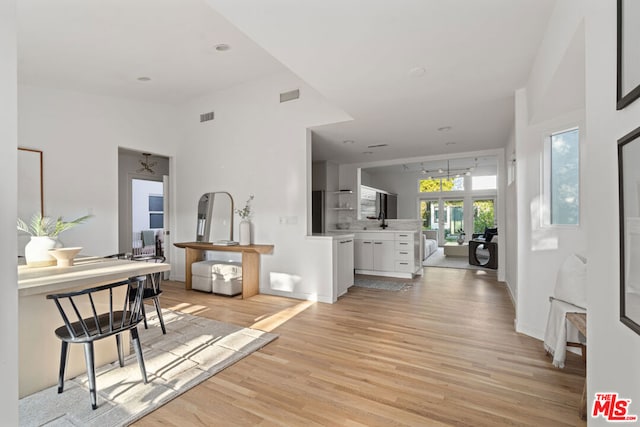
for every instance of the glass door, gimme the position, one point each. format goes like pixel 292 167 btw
pixel 483 214
pixel 453 219
pixel 429 214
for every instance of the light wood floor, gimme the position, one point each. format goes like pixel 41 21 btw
pixel 441 353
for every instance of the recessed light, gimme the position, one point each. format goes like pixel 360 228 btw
pixel 444 129
pixel 144 79
pixel 348 141
pixel 417 72
pixel 450 143
pixel 222 47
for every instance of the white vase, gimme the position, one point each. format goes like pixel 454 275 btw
pixel 461 238
pixel 245 232
pixel 36 251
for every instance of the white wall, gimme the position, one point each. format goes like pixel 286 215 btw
pixel 541 250
pixel 511 223
pixel 80 135
pixel 8 214
pixel 258 146
pixel 614 350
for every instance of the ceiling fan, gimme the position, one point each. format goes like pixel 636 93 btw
pixel 146 164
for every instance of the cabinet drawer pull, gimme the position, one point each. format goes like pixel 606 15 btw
pixel 403 243
pixel 404 253
pixel 346 241
pixel 377 243
pixel 403 235
pixel 404 263
pixel 366 243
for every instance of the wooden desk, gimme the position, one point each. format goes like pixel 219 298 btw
pixel 39 348
pixel 194 252
pixel 579 320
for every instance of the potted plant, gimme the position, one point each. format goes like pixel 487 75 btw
pixel 245 224
pixel 461 236
pixel 44 232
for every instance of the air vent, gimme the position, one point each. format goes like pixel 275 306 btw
pixel 377 145
pixel 206 117
pixel 290 96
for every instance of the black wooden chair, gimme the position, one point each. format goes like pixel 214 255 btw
pixel 84 325
pixel 152 289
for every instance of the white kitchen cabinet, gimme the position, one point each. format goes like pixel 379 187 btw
pixel 344 264
pixel 387 253
pixel 363 256
pixel 384 255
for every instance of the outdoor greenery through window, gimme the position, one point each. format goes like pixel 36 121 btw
pixel 564 178
pixel 436 185
pixel 429 214
pixel 483 215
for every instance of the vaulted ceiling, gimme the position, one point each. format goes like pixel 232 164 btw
pixel 418 77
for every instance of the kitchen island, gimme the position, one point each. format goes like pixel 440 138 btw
pixel 39 348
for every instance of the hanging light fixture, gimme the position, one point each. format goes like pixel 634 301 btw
pixel 448 173
pixel 147 166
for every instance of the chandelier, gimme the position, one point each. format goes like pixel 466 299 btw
pixel 147 166
pixel 448 173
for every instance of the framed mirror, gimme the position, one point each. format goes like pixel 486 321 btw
pixel 629 197
pixel 628 53
pixel 215 218
pixel 30 189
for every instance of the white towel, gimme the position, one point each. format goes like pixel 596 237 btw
pixel 559 330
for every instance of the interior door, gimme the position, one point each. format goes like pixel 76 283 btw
pixel 167 222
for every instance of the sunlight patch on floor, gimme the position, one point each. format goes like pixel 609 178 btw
pixel 269 323
pixel 189 308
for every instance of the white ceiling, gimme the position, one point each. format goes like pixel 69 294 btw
pixel 357 53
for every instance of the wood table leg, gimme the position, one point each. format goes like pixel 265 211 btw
pixel 250 274
pixel 582 410
pixel 191 256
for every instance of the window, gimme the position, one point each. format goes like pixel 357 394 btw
pixel 484 182
pixel 155 203
pixel 429 214
pixel 156 220
pixel 483 215
pixel 563 175
pixel 156 214
pixel 436 185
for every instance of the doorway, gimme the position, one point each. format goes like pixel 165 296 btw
pixel 143 212
pixel 444 215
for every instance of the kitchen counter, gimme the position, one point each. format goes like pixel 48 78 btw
pixel 338 234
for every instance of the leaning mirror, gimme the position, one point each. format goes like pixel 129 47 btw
pixel 215 217
pixel 629 196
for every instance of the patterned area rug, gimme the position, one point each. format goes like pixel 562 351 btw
pixel 386 285
pixel 193 350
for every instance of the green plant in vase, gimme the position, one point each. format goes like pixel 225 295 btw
pixel 44 232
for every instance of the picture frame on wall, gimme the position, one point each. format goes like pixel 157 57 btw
pixel 629 198
pixel 628 53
